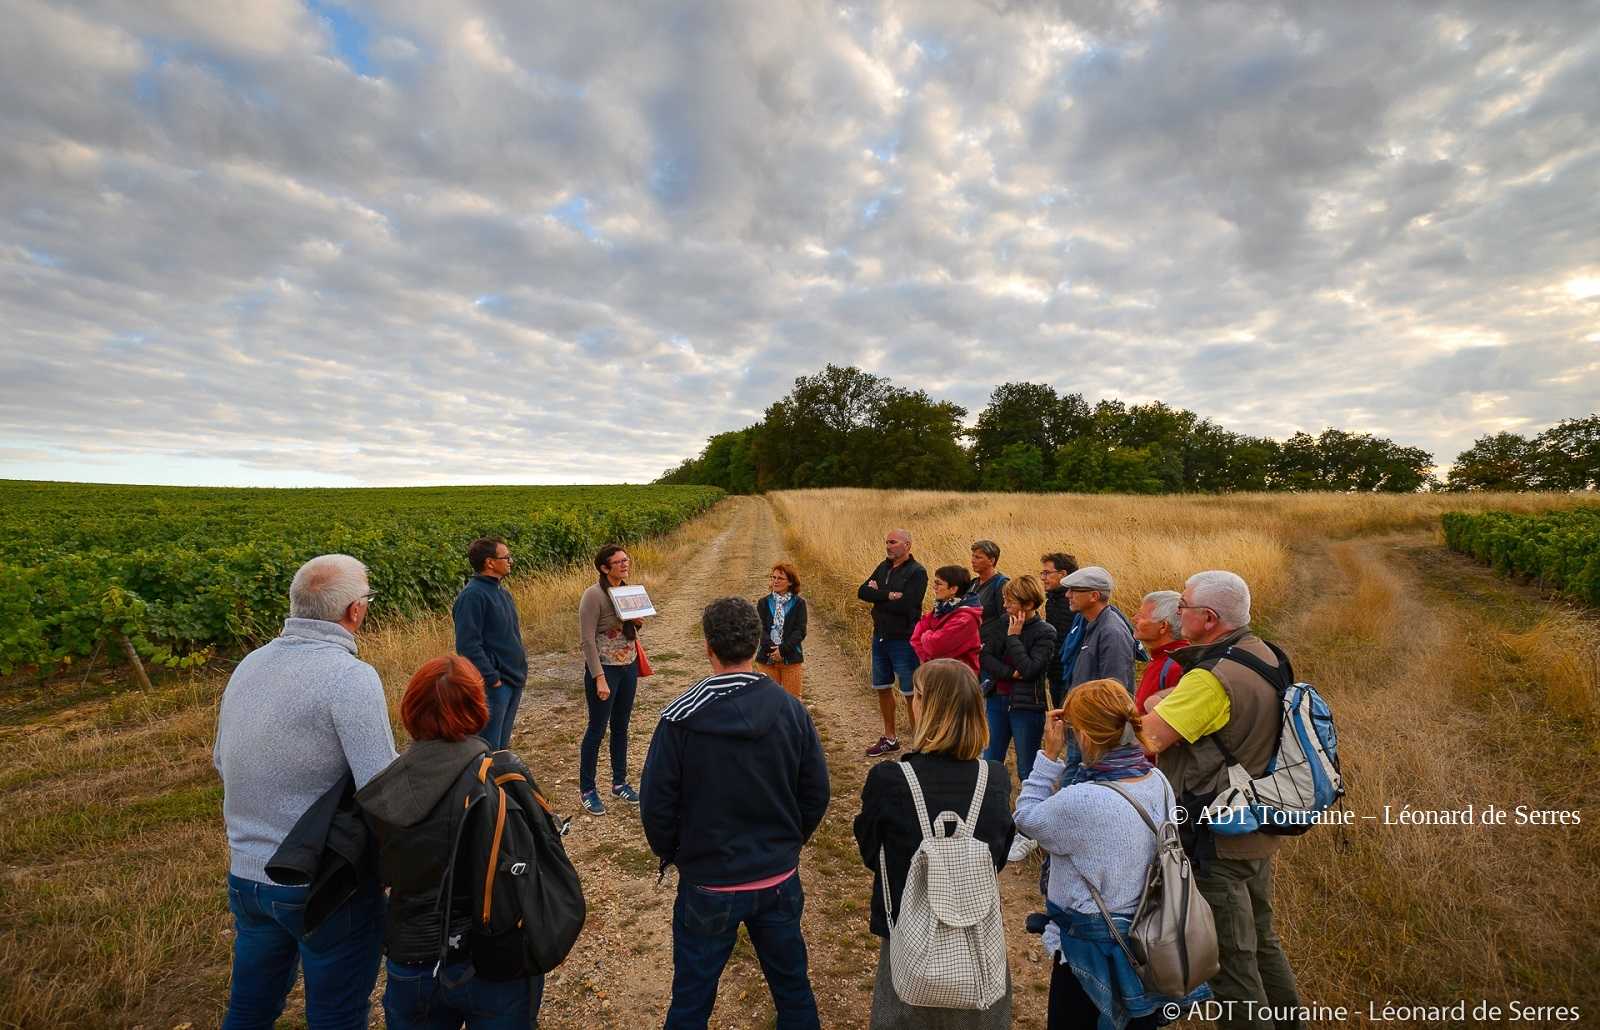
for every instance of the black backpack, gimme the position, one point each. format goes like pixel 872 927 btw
pixel 528 906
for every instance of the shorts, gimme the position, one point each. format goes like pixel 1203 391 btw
pixel 892 660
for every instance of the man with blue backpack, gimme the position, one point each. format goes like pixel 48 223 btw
pixel 1219 732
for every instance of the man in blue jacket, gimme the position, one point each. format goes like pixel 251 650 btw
pixel 734 785
pixel 489 635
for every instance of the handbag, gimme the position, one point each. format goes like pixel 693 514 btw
pixel 1172 942
pixel 644 660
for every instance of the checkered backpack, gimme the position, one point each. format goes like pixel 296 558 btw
pixel 948 948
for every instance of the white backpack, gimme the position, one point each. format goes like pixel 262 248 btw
pixel 948 948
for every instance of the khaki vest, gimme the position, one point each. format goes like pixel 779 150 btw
pixel 1254 722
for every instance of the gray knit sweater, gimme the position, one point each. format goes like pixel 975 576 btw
pixel 1104 837
pixel 296 714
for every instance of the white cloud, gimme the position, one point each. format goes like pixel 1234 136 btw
pixel 526 240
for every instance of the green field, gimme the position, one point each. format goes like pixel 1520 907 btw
pixel 1561 549
pixel 182 570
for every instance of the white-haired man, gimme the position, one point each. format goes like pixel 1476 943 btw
pixel 298 714
pixel 1223 707
pixel 1158 625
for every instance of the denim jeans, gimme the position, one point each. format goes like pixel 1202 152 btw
pixel 705 925
pixel 340 957
pixel 615 710
pixel 414 1000
pixel 893 660
pixel 503 701
pixel 1007 724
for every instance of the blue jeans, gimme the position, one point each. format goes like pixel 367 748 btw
pixel 270 944
pixel 503 701
pixel 705 925
pixel 891 660
pixel 1007 724
pixel 414 1000
pixel 616 710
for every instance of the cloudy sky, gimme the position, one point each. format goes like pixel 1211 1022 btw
pixel 273 242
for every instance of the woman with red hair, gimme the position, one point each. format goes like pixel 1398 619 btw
pixel 416 826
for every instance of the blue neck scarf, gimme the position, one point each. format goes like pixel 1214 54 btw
pixel 945 607
pixel 1123 762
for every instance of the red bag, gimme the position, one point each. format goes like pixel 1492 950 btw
pixel 644 660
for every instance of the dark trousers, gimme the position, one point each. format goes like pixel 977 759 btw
pixel 415 999
pixel 1071 1009
pixel 1254 967
pixel 503 701
pixel 270 945
pixel 705 925
pixel 614 711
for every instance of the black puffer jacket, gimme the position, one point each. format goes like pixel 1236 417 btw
pixel 416 817
pixel 1031 654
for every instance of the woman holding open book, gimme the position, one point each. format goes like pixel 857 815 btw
pixel 610 678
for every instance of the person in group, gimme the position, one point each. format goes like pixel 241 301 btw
pixel 1159 628
pixel 945 752
pixel 1017 700
pixel 298 715
pixel 412 807
pixel 783 629
pixel 1092 834
pixel 985 595
pixel 950 628
pixel 1107 649
pixel 895 590
pixel 610 679
pixel 1220 705
pixel 489 635
pixel 734 784
pixel 1053 568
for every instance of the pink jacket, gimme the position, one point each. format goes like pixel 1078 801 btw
pixel 954 636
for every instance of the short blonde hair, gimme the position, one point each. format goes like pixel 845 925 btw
pixel 1026 591
pixel 952 721
pixel 1099 712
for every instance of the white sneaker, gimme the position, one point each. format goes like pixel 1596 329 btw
pixel 1021 848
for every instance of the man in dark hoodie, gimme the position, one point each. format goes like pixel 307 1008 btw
pixel 733 786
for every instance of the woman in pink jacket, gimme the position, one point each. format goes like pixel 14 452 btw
pixel 951 629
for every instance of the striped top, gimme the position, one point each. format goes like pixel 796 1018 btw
pixel 710 689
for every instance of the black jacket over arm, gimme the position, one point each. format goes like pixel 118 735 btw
pixel 794 631
pixel 888 817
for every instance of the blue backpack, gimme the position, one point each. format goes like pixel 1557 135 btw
pixel 1302 777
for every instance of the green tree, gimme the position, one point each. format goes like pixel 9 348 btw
pixel 1499 461
pixel 1019 468
pixel 917 442
pixel 1567 455
pixel 1017 413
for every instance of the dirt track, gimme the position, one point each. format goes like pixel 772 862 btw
pixel 621 972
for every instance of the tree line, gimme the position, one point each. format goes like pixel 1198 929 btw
pixel 1564 457
pixel 847 427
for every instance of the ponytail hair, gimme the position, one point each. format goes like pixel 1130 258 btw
pixel 956 576
pixel 1102 714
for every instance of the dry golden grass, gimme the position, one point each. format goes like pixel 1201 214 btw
pixel 1450 688
pixel 113 904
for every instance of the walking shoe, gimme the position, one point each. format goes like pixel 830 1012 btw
pixel 591 802
pixel 626 792
pixel 1021 848
pixel 884 746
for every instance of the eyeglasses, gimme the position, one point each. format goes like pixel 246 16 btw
pixel 502 557
pixel 1197 607
pixel 368 596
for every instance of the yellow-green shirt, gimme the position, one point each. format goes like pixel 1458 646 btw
pixel 1197 705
